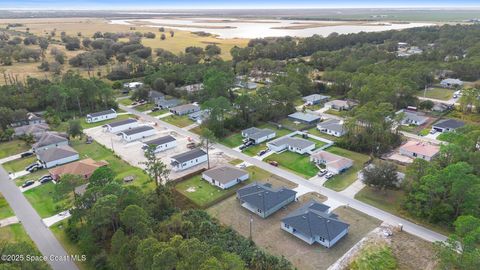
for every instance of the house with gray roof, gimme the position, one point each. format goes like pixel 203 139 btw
pixel 199 116
pixel 451 83
pixel 185 109
pixel 312 223
pixel 155 96
pixel 36 130
pixel 412 117
pixel 101 116
pixel 55 156
pixel 192 88
pixel 225 176
pixel 29 119
pixel 137 133
pixel 297 145
pixel 162 143
pixel 306 118
pixel 258 135
pixel 188 159
pixel 446 125
pixel 263 200
pixel 332 127
pixel 340 105
pixel 121 125
pixel 315 99
pixel 49 140
pixel 167 103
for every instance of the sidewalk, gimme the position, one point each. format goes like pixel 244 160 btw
pixel 57 218
pixel 8 221
pixel 16 175
pixel 10 158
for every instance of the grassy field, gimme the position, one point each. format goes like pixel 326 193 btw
pixel 19 164
pixel 159 112
pixel 144 107
pixel 120 167
pixel 341 181
pixel 125 101
pixel 71 248
pixel 437 93
pixel 233 140
pixel 42 199
pixel 470 118
pixel 391 201
pixel 86 125
pixel 337 113
pixel 235 161
pixel 317 142
pixel 5 210
pixel 12 147
pixel 291 124
pixel 14 233
pixel 179 121
pixel 299 164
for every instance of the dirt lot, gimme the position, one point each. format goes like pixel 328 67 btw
pixel 267 233
pixel 133 154
pixel 412 252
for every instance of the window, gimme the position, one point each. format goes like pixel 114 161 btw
pixel 287 226
pixel 259 211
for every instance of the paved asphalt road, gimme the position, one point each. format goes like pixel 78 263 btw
pixel 358 205
pixel 38 232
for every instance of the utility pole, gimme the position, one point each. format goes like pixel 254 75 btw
pixel 425 92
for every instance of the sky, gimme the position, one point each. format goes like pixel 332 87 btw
pixel 217 4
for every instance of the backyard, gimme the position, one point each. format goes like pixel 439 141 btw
pixel 318 143
pixel 267 233
pixel 341 181
pixel 42 199
pixel 12 148
pixel 299 164
pixel 179 121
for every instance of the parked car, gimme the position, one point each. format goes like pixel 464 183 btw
pixel 242 166
pixel 322 172
pixel 273 163
pixel 263 152
pixel 33 167
pixel 154 109
pixel 328 175
pixel 433 131
pixel 191 145
pixel 47 176
pixel 45 180
pixel 26 154
pixel 28 183
pixel 89 140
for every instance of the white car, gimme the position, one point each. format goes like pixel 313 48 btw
pixel 329 175
pixel 433 131
pixel 322 172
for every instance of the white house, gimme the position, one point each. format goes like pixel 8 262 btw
pixel 185 109
pixel 101 116
pixel 132 85
pixel 421 150
pixel 333 163
pixel 188 159
pixel 340 105
pixel 49 140
pixel 121 125
pixel 332 127
pixel 225 176
pixel 137 133
pixel 412 117
pixel 258 135
pixel 297 145
pixel 312 223
pixel 162 143
pixel 315 99
pixel 57 156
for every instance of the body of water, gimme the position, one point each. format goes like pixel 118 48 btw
pixel 240 28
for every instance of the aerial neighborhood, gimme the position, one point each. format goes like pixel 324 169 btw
pixel 143 143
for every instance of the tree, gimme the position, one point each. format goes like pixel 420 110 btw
pixel 159 85
pixel 207 139
pixel 67 184
pixel 462 249
pixel 101 177
pixel 75 128
pixel 381 175
pixel 155 168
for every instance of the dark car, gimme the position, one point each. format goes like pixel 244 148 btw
pixel 28 183
pixel 155 109
pixel 273 163
pixel 26 154
pixel 47 176
pixel 263 152
pixel 33 167
pixel 45 180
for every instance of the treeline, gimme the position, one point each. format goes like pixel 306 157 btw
pixel 123 227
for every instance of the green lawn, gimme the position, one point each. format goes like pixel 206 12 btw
pixel 86 125
pixel 14 233
pixel 159 112
pixel 120 167
pixel 12 148
pixel 5 210
pixel 299 164
pixel 201 192
pixel 391 201
pixel 125 101
pixel 437 93
pixel 316 132
pixel 179 121
pixel 31 176
pixel 254 149
pixel 144 107
pixel 424 132
pixel 19 164
pixel 233 140
pixel 42 199
pixel 337 113
pixel 341 181
pixel 235 161
pixel 291 124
